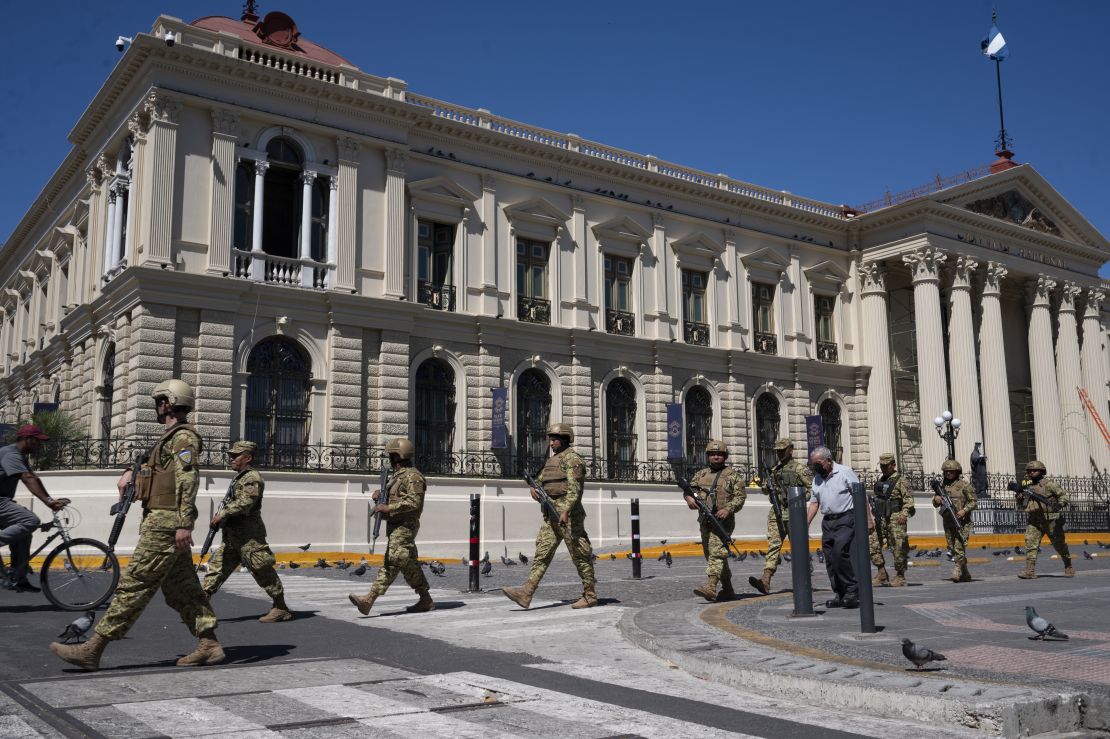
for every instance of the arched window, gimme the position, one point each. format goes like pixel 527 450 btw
pixel 281 206
pixel 830 417
pixel 278 390
pixel 107 391
pixel 620 419
pixel 434 415
pixel 533 411
pixel 699 424
pixel 767 427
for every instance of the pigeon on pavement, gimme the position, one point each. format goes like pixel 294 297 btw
pixel 1044 629
pixel 485 558
pixel 78 628
pixel 305 547
pixel 487 567
pixel 322 564
pixel 358 571
pixel 293 566
pixel 920 656
pixel 437 568
pixel 523 559
pixel 507 562
pixel 669 560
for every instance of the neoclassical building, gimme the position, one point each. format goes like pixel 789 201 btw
pixel 332 259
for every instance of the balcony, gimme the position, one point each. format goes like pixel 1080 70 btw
pixel 440 297
pixel 766 343
pixel 289 271
pixel 695 333
pixel 620 322
pixel 533 310
pixel 827 352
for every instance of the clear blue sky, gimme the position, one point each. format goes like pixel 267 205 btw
pixel 836 101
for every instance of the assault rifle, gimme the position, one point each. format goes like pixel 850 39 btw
pixel 704 511
pixel 880 508
pixel 947 507
pixel 213 529
pixel 383 499
pixel 771 491
pixel 120 508
pixel 1053 506
pixel 546 506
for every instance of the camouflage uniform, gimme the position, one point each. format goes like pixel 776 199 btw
pixel 963 499
pixel 244 540
pixel 156 563
pixel 788 474
pixel 1045 522
pixel 562 477
pixel 406 502
pixel 896 499
pixel 728 493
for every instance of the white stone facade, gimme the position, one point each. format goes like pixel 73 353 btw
pixel 935 303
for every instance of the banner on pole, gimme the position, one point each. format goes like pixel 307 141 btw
pixel 500 396
pixel 675 447
pixel 815 433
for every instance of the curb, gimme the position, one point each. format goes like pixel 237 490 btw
pixel 679 633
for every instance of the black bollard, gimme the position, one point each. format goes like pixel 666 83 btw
pixel 475 528
pixel 637 558
pixel 799 550
pixel 861 560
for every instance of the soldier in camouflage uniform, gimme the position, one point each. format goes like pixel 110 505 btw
pixel 167 487
pixel 562 477
pixel 722 490
pixel 1043 520
pixel 964 501
pixel 245 536
pixel 893 499
pixel 787 473
pixel 406 502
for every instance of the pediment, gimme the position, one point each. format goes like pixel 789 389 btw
pixel 539 211
pixel 1012 205
pixel 698 244
pixel 766 258
pixel 827 273
pixel 442 190
pixel 622 229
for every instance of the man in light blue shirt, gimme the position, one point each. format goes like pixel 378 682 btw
pixel 832 495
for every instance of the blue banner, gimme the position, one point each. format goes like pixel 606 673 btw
pixel 815 433
pixel 675 447
pixel 500 437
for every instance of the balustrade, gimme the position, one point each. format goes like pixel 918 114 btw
pixel 620 322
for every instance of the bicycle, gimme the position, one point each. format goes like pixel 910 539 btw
pixel 78 574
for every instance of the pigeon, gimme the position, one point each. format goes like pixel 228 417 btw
pixel 305 547
pixel 1018 550
pixel 920 656
pixel 669 560
pixel 281 565
pixel 662 542
pixel 358 571
pixel 1044 629
pixel 487 567
pixel 593 558
pixel 821 555
pixel 485 558
pixel 524 560
pixel 437 568
pixel 786 556
pixel 662 556
pixel 322 564
pixel 507 562
pixel 742 556
pixel 612 557
pixel 293 566
pixel 1087 555
pixel 78 628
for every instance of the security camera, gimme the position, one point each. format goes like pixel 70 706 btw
pixel 122 42
pixel 170 38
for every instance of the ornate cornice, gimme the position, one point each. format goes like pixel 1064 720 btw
pixel 925 264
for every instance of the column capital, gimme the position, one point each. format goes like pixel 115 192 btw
pixel 260 167
pixel 94 177
pixel 348 147
pixel 873 275
pixel 1040 290
pixel 307 177
pixel 963 271
pixel 224 121
pixel 992 278
pixel 489 182
pixel 395 160
pixel 1069 291
pixel 925 264
pixel 657 220
pixel 162 108
pixel 578 202
pixel 333 183
pixel 138 125
pixel 1095 298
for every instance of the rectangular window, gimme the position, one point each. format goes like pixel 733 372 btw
pixel 618 280
pixel 763 307
pixel 693 295
pixel 435 243
pixel 823 307
pixel 531 281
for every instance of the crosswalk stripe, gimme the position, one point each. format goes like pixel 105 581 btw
pixel 436 725
pixel 191 717
pixel 15 727
pixel 348 702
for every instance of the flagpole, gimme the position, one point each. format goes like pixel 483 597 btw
pixel 1003 144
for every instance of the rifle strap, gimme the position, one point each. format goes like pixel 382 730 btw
pixel 713 487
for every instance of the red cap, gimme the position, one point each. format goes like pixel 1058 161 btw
pixel 31 431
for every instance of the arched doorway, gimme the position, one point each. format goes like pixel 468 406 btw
pixel 620 419
pixel 279 375
pixel 533 413
pixel 434 415
pixel 767 428
pixel 699 424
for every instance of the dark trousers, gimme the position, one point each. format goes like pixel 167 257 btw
pixel 17 524
pixel 837 534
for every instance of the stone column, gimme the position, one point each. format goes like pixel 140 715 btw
pixel 1042 370
pixel 932 383
pixel 111 242
pixel 163 111
pixel 880 390
pixel 963 374
pixel 333 214
pixel 1073 416
pixel 1095 376
pixel 344 246
pixel 307 178
pixel 393 264
pixel 998 440
pixel 258 254
pixel 221 215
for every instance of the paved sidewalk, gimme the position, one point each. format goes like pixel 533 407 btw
pixel 995 678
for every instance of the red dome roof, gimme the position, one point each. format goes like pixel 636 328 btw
pixel 275 29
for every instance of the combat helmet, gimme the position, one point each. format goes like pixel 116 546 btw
pixel 951 465
pixel 716 446
pixel 1035 465
pixel 561 429
pixel 402 447
pixel 177 392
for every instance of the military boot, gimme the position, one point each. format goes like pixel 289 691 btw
pixel 588 599
pixel 955 576
pixel 709 590
pixel 208 651
pixel 1030 572
pixel 762 584
pixel 1069 571
pixel 899 580
pixel 727 593
pixel 522 596
pixel 86 656
pixel 881 578
pixel 363 602
pixel 423 605
pixel 965 575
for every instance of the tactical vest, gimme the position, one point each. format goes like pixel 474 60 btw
pixel 715 496
pixel 1035 506
pixel 256 509
pixel 957 491
pixel 157 483
pixel 552 476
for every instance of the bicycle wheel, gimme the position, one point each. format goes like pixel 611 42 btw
pixel 79 575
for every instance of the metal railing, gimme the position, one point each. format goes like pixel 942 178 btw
pixel 766 343
pixel 440 297
pixel 533 310
pixel 827 351
pixel 695 333
pixel 620 322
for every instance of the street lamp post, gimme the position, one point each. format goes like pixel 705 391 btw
pixel 948 428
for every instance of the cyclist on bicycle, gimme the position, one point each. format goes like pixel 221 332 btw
pixel 16 522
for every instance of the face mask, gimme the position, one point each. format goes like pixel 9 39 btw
pixel 817 469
